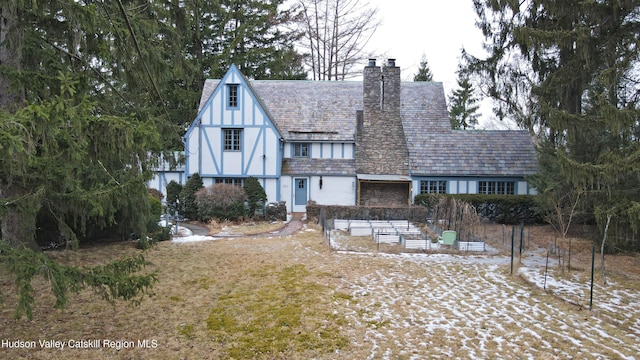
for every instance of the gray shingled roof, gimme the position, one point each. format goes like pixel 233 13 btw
pixel 326 111
pixel 472 153
pixel 307 166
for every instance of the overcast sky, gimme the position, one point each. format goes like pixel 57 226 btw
pixel 439 29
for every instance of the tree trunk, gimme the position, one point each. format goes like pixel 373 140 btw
pixel 18 224
pixel 9 55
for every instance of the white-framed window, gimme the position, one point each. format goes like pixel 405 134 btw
pixel 232 95
pixel 232 139
pixel 301 150
pixel 497 187
pixel 433 187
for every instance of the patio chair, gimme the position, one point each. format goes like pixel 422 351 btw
pixel 448 237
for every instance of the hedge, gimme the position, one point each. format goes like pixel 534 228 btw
pixel 503 209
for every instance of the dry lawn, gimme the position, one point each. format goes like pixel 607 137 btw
pixel 291 297
pixel 235 228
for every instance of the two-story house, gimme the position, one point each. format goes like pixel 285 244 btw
pixel 376 142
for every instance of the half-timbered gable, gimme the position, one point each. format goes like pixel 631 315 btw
pixel 233 136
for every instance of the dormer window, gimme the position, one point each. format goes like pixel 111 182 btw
pixel 232 95
pixel 301 150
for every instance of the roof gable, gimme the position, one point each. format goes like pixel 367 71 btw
pixel 213 88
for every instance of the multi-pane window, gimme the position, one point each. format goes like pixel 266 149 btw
pixel 497 187
pixel 230 181
pixel 232 138
pixel 233 95
pixel 301 150
pixel 433 187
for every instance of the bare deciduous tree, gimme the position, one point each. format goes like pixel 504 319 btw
pixel 336 33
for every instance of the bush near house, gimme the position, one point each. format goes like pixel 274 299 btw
pixel 156 194
pixel 188 207
pixel 256 196
pixel 173 194
pixel 220 201
pixel 502 209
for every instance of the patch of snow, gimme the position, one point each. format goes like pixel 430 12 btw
pixel 193 238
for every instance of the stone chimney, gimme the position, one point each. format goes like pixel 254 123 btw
pixel 381 146
pixel 372 86
pixel 391 86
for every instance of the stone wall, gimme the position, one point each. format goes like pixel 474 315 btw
pixel 276 211
pixel 384 194
pixel 415 214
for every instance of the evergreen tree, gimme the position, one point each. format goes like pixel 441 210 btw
pixel 255 193
pixel 188 207
pixel 73 147
pixel 567 70
pixel 201 39
pixel 424 72
pixel 463 104
pixel 173 194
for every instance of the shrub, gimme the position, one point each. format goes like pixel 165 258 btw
pixel 188 207
pixel 154 231
pixel 173 192
pixel 220 201
pixel 156 194
pixel 428 200
pixel 146 242
pixel 255 194
pixel 163 233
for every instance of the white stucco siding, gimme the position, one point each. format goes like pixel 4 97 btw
pixel 271 189
pixel 271 144
pixel 209 162
pixel 257 116
pixel 336 190
pixel 210 114
pixel 229 118
pixel 193 151
pixel 232 163
pixel 206 117
pixel 260 151
pixel 286 192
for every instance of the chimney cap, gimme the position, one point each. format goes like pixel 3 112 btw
pixel 372 62
pixel 391 62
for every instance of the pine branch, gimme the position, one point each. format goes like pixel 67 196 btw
pixel 113 281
